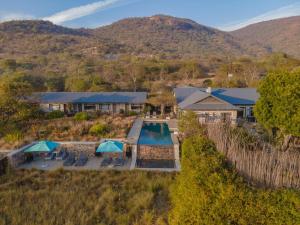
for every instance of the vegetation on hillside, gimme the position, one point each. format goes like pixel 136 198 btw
pixel 83 198
pixel 277 35
pixel 67 129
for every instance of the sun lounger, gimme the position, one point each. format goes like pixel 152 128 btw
pixel 106 162
pixel 118 162
pixel 70 160
pixel 50 156
pixel 62 155
pixel 82 160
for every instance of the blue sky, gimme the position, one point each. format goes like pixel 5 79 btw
pixel 222 14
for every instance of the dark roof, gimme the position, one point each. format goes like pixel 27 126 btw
pixel 200 107
pixel 193 98
pixel 193 102
pixel 91 97
pixel 234 96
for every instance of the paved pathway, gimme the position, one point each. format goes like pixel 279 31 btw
pixel 134 133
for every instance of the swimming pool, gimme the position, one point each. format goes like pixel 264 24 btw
pixel 155 134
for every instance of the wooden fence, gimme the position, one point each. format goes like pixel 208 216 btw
pixel 258 162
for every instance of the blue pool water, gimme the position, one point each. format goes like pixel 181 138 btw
pixel 155 134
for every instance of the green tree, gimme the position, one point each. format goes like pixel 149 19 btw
pixel 77 83
pixel 189 124
pixel 9 64
pixel 278 108
pixel 15 110
pixel 162 99
pixel 55 83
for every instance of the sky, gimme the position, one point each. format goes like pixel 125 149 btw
pixel 222 14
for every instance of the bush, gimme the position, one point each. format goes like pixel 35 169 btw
pixel 132 113
pixel 207 83
pixel 14 136
pixel 81 116
pixel 208 192
pixel 99 129
pixel 189 124
pixel 55 115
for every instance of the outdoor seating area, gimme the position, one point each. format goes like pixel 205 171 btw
pixel 47 155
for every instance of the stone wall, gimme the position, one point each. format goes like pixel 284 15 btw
pixel 156 152
pixel 88 149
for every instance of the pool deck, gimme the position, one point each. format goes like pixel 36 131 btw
pixel 92 164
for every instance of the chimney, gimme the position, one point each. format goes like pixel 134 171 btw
pixel 208 90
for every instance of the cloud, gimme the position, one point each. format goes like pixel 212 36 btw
pixel 80 11
pixel 286 11
pixel 14 16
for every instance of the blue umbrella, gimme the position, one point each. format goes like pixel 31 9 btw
pixel 110 147
pixel 42 146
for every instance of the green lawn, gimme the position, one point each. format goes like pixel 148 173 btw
pixel 72 197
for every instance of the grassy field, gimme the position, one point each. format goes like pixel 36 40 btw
pixel 65 197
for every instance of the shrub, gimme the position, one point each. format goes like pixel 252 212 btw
pixel 132 113
pixel 207 83
pixel 208 192
pixel 189 124
pixel 55 115
pixel 81 116
pixel 14 136
pixel 99 129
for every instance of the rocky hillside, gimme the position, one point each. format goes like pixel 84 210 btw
pixel 175 36
pixel 281 35
pixel 156 35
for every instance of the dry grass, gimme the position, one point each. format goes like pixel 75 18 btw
pixel 68 129
pixel 66 197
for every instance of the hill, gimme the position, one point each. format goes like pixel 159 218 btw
pixel 38 27
pixel 175 36
pixel 281 35
pixel 147 36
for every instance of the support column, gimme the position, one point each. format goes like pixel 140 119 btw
pixel 133 157
pixel 177 157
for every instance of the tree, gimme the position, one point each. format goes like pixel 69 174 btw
pixel 77 83
pixel 278 108
pixel 15 110
pixel 135 71
pixel 9 64
pixel 162 99
pixel 55 82
pixel 191 70
pixel 189 124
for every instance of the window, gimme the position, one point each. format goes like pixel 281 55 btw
pixel 225 117
pixel 136 107
pixel 250 112
pixel 54 107
pixel 89 107
pixel 104 107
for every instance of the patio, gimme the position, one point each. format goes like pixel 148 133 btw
pixel 93 163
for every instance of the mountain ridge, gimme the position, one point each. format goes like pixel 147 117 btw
pixel 154 35
pixel 281 35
